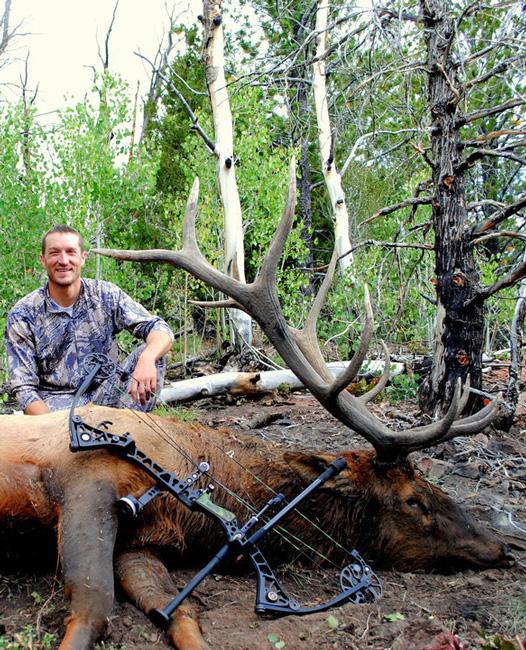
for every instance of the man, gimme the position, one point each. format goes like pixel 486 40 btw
pixel 53 329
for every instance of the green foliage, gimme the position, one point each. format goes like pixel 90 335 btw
pixel 275 641
pixel 28 639
pixel 332 622
pixel 496 642
pixel 395 616
pixel 403 387
pixel 81 173
pixel 182 413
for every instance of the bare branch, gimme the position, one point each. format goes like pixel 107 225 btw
pixel 498 69
pixel 418 200
pixel 361 140
pixel 493 110
pixel 193 117
pixel 499 217
pixel 516 274
pixel 496 153
pixel 106 60
pixel 501 233
pixel 390 244
pixel 493 135
pixel 4 24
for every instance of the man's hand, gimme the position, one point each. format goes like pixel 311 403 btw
pixel 144 378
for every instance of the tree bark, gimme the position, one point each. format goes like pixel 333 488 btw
pixel 213 58
pixel 460 322
pixel 333 181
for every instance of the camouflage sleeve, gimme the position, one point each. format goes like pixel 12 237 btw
pixel 20 347
pixel 134 318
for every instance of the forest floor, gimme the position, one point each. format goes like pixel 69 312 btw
pixel 483 610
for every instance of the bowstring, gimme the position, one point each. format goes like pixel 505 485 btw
pixel 289 537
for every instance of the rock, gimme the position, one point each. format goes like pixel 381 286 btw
pixel 507 446
pixel 469 470
pixel 434 468
pixel 482 439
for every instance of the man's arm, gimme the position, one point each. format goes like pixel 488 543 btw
pixel 132 316
pixel 38 407
pixel 144 376
pixel 23 372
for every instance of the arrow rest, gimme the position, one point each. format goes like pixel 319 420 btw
pixel 357 582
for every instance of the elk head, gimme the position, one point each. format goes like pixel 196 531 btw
pixel 420 526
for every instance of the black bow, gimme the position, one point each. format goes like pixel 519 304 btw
pixel 358 583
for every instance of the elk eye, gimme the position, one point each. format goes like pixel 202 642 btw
pixel 412 502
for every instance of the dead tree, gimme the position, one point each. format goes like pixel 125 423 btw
pixel 333 179
pixel 460 311
pixel 213 59
pixel 8 33
pixel 475 107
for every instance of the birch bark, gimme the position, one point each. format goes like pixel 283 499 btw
pixel 333 179
pixel 234 255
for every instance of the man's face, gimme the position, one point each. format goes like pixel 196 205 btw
pixel 63 258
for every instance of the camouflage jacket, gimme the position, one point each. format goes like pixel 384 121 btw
pixel 46 345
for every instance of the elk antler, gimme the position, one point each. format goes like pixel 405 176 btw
pixel 300 348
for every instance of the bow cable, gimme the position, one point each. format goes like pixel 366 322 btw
pixel 146 418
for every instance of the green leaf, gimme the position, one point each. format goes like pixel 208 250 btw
pixel 332 622
pixel 395 616
pixel 273 638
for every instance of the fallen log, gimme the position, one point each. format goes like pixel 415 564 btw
pixel 254 383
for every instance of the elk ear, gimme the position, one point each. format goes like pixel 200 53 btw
pixel 307 466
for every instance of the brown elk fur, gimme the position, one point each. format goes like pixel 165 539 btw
pixel 390 514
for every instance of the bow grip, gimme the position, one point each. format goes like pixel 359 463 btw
pixel 334 468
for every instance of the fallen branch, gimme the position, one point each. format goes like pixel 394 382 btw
pixel 254 383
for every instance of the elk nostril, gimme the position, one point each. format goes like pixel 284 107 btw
pixel 507 553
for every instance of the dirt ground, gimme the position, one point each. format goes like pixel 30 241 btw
pixel 481 610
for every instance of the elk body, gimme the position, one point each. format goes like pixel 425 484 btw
pixel 389 513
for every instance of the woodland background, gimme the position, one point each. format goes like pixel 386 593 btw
pixel 120 168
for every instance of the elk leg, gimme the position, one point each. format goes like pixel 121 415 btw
pixel 148 585
pixel 87 530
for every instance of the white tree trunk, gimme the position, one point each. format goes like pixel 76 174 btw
pixel 333 179
pixel 252 383
pixel 234 263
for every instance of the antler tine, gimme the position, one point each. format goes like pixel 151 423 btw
pixel 307 338
pixel 267 272
pixel 356 362
pixel 418 437
pixel 228 303
pixel 465 396
pixel 382 382
pixel 478 421
pixel 471 425
pixel 319 300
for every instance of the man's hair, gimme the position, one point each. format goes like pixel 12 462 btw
pixel 62 229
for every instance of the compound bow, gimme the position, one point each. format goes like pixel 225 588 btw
pixel 358 583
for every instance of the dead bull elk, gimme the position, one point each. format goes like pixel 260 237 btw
pixel 377 504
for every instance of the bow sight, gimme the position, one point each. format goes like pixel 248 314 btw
pixel 358 583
